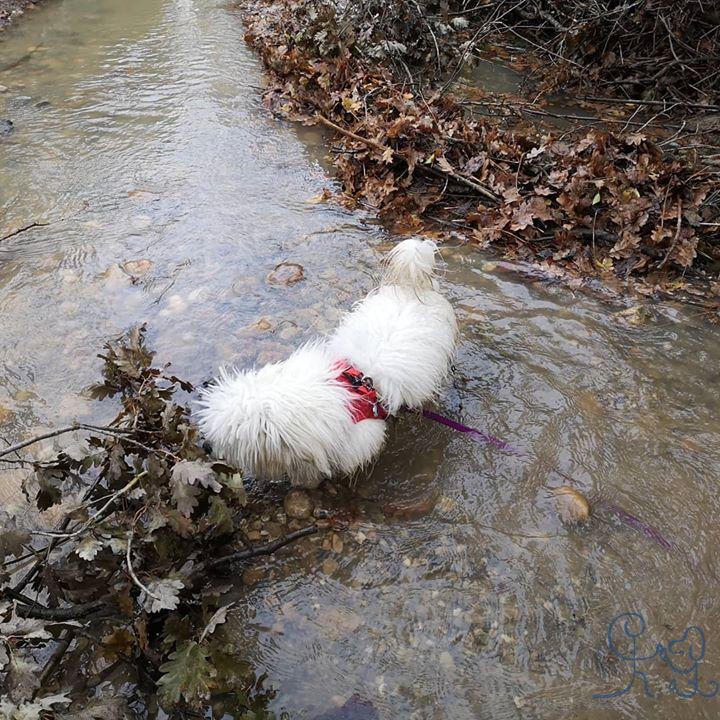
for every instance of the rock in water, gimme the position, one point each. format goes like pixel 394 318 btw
pixel 6 126
pixel 572 506
pixel 6 415
pixel 298 505
pixel 286 273
pixel 137 267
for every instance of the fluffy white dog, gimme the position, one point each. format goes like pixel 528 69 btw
pixel 322 411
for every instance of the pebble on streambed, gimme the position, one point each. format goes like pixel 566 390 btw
pixel 286 273
pixel 572 506
pixel 136 268
pixel 298 505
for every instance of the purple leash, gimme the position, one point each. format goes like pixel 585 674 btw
pixel 485 437
pixel 624 516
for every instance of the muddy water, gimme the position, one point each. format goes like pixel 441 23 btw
pixel 139 136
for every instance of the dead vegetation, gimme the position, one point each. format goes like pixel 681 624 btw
pixel 118 611
pixel 661 51
pixel 626 206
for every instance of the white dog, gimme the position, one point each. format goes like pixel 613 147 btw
pixel 322 411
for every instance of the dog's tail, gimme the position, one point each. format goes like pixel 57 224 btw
pixel 411 264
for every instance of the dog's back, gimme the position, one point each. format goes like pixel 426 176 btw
pixel 280 419
pixel 402 335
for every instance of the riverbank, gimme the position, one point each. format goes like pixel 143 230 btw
pixel 10 10
pixel 633 209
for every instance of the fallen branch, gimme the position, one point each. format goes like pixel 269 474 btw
pixel 75 612
pixel 520 107
pixel 657 103
pixel 447 169
pixel 256 551
pixel 107 430
pixel 38 438
pixel 359 138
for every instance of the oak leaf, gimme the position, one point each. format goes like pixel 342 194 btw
pixel 187 674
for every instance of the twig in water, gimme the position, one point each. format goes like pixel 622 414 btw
pixel 63 644
pixel 25 443
pixel 21 59
pixel 258 550
pixel 84 426
pixel 23 229
pixel 71 613
pixel 29 608
pixel 173 280
pixel 97 515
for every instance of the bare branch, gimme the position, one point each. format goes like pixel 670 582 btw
pixel 38 438
pixel 258 550
pixel 23 229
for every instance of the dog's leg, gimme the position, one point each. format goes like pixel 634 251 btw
pixel 306 476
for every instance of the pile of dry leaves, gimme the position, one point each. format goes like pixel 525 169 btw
pixel 586 203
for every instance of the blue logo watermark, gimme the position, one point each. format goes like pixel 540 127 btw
pixel 682 656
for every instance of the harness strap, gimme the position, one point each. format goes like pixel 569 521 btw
pixel 365 405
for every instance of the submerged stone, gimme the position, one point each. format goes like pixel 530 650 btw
pixel 572 506
pixel 355 708
pixel 298 505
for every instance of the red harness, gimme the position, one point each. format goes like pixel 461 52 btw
pixel 365 404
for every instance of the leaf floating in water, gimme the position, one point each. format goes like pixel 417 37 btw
pixel 636 315
pixel 572 506
pixel 286 273
pixel 6 415
pixel 261 325
pixel 411 510
pixel 320 197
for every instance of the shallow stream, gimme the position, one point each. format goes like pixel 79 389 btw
pixel 165 193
